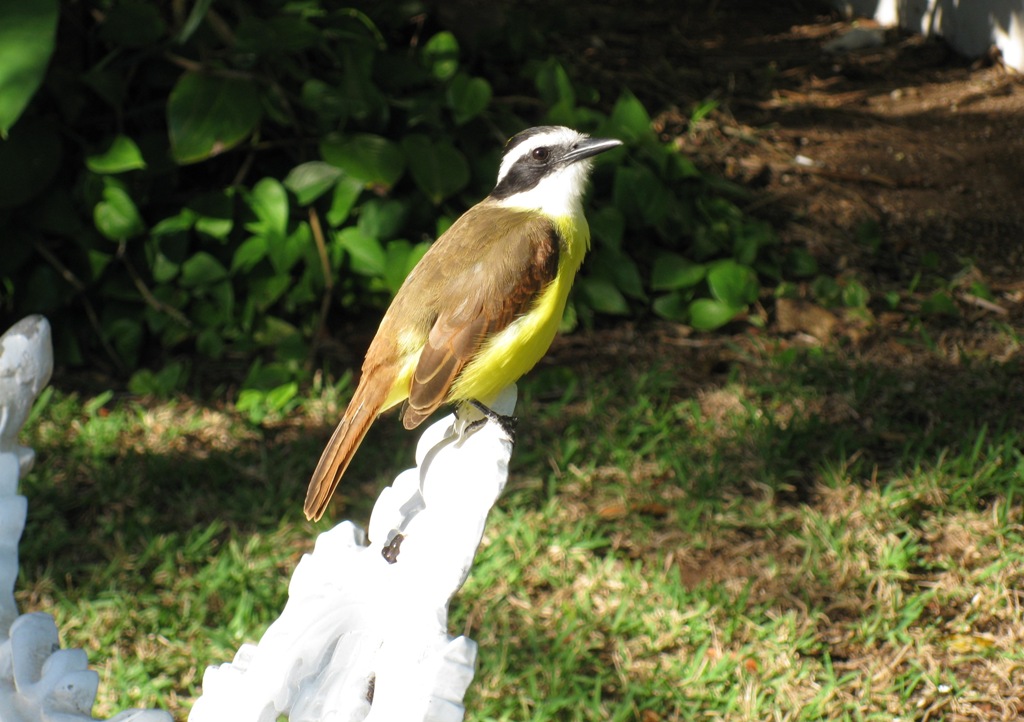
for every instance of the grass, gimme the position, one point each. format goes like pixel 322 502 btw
pixel 752 531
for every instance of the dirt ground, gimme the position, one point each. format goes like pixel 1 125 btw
pixel 887 163
pixel 908 135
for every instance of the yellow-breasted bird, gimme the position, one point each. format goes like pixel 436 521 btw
pixel 483 304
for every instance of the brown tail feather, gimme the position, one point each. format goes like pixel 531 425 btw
pixel 360 414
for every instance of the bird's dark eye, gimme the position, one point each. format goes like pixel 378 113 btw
pixel 540 154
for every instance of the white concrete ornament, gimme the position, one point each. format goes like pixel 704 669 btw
pixel 26 361
pixel 39 681
pixel 364 637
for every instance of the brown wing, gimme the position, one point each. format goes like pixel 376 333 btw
pixel 499 273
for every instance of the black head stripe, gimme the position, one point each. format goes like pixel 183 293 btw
pixel 520 177
pixel 528 170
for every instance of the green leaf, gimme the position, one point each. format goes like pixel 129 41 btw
pixel 215 306
pixel 249 253
pixel 553 85
pixel 855 295
pixel 311 180
pixel 800 263
pixel 265 377
pixel 602 296
pixel 258 404
pixel 981 290
pixel 438 169
pixel 166 252
pixel 940 303
pixel 608 226
pixel 98 261
pixel 400 262
pixel 826 290
pixel 468 97
pixel 639 192
pixel 441 55
pixel 275 332
pixel 164 269
pixel 269 201
pixel 368 256
pixel 214 214
pixel 673 306
pixel 286 251
pixel 126 337
pixel 627 277
pixel 346 193
pixel 210 343
pixel 27 35
pixel 630 119
pixel 92 406
pixel 194 20
pixel 279 398
pixel 207 115
pixel 202 270
pixel 328 102
pixel 371 159
pixel 121 155
pixel 402 257
pixel 396 269
pixel 681 167
pixel 116 216
pixel 621 270
pixel 734 284
pixel 266 291
pixel 164 382
pixel 251 402
pixel 707 314
pixel 564 114
pixel 672 272
pixel 181 222
pixel 381 218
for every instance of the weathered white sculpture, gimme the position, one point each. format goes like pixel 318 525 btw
pixel 364 634
pixel 26 361
pixel 39 681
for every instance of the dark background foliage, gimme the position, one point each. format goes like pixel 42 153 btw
pixel 219 187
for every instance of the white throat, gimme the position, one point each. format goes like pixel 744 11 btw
pixel 558 195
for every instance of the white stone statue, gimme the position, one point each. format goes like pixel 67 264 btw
pixel 39 681
pixel 364 635
pixel 26 361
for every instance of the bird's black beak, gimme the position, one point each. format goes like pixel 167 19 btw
pixel 590 147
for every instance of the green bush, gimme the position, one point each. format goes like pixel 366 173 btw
pixel 214 181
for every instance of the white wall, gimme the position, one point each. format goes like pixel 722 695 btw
pixel 970 26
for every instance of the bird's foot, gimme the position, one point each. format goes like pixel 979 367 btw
pixel 391 549
pixel 508 424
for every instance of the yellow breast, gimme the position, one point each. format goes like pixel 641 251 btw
pixel 506 356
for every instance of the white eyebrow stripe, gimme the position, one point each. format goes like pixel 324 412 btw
pixel 555 136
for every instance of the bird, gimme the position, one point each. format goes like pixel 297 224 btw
pixel 482 306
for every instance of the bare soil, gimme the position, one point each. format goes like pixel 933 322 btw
pixel 927 144
pixel 883 161
pixel 899 166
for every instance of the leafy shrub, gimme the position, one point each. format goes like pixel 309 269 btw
pixel 214 182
